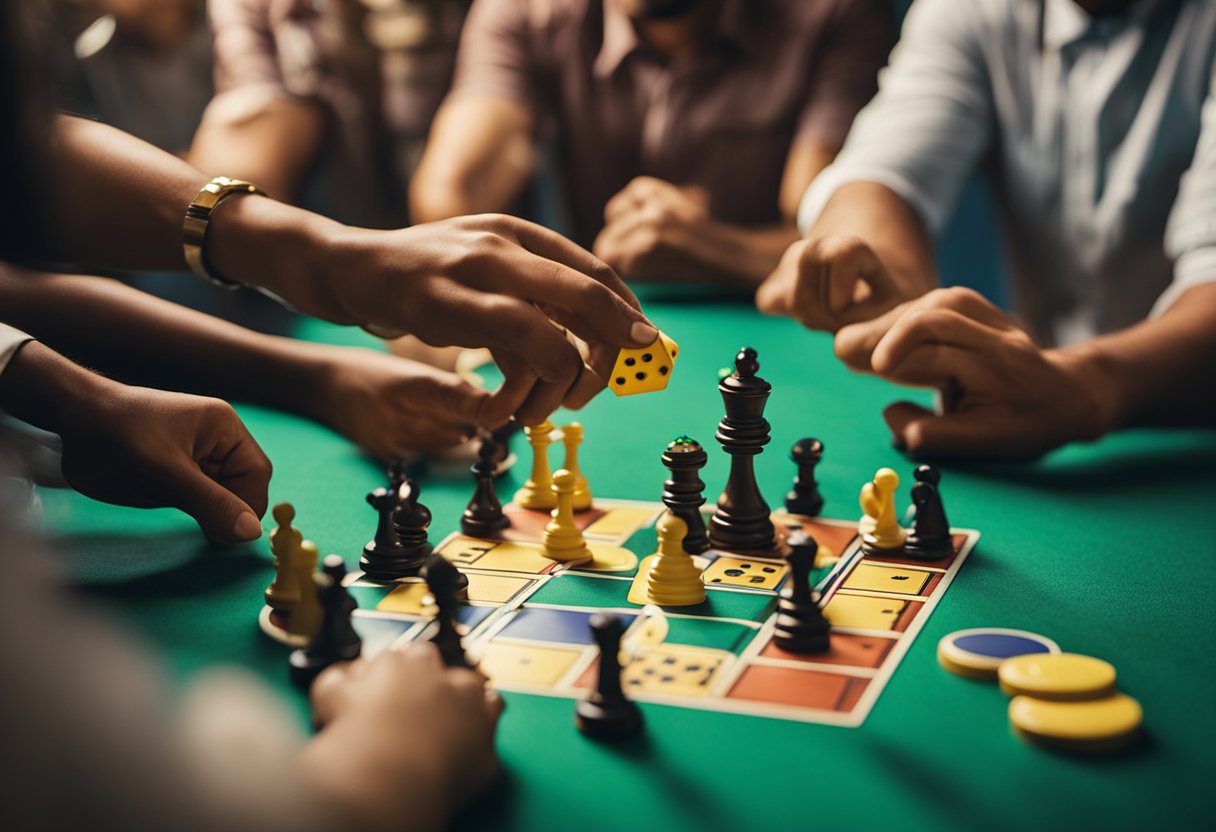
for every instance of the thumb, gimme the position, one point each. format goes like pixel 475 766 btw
pixel 222 515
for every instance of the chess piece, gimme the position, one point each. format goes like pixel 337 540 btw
pixel 572 437
pixel 411 520
pixel 805 498
pixel 284 593
pixel 683 492
pixel 563 540
pixel 930 538
pixel 386 558
pixel 483 516
pixel 881 534
pixel 336 639
pixel 674 580
pixel 444 580
pixel 537 493
pixel 800 626
pixel 608 714
pixel 742 521
pixel 306 617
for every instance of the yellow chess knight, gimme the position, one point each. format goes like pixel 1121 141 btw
pixel 880 531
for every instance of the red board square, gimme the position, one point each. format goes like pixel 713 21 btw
pixel 799 688
pixel 529 524
pixel 846 649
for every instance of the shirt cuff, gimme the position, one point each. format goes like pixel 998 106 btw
pixel 11 340
pixel 1195 268
pixel 836 175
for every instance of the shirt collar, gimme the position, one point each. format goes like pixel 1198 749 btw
pixel 735 29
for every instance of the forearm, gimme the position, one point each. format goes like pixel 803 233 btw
pixel 880 218
pixel 44 389
pixel 1158 372
pixel 108 325
pixel 733 254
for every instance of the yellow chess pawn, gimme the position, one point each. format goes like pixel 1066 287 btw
pixel 537 492
pixel 674 581
pixel 572 437
pixel 305 619
pixel 880 529
pixel 564 540
pixel 284 593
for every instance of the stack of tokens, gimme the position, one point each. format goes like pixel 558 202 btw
pixel 1060 700
pixel 1069 701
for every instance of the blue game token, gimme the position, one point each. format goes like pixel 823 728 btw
pixel 978 652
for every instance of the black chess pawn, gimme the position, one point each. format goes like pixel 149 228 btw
pixel 805 498
pixel 411 521
pixel 930 538
pixel 683 492
pixel 385 557
pixel 608 714
pixel 800 626
pixel 336 639
pixel 742 521
pixel 444 581
pixel 483 516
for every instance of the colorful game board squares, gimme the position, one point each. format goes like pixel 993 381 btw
pixel 380 633
pixel 669 670
pixel 749 573
pixel 495 555
pixel 570 589
pixel 846 649
pixel 467 618
pixel 553 625
pixel 868 612
pixel 731 636
pixel 620 522
pixel 799 688
pixel 526 664
pixel 879 577
pixel 836 537
pixel 528 525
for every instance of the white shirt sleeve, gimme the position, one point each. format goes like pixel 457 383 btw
pixel 929 122
pixel 10 341
pixel 1190 234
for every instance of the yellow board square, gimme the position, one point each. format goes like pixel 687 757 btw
pixel 619 522
pixel 515 557
pixel 756 574
pixel 902 579
pixel 864 612
pixel 463 551
pixel 494 589
pixel 407 599
pixel 674 670
pixel 526 664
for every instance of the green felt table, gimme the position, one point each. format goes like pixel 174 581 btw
pixel 1108 548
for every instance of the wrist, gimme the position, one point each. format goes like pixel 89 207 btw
pixel 49 391
pixel 1099 399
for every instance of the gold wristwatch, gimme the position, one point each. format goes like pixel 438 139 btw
pixel 198 219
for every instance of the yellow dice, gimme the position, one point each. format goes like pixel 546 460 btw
pixel 644 370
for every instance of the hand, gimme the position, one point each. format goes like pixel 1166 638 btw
pixel 829 282
pixel 651 226
pixel 494 281
pixel 390 406
pixel 401 736
pixel 148 448
pixel 1005 397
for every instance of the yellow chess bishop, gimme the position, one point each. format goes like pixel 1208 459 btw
pixel 572 437
pixel 563 539
pixel 674 581
pixel 880 529
pixel 284 593
pixel 537 492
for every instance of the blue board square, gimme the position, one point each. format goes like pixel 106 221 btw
pixel 562 626
pixel 472 616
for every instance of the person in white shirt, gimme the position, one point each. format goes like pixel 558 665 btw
pixel 1095 121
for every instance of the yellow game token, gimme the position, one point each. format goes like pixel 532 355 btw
pixel 1059 676
pixel 1096 726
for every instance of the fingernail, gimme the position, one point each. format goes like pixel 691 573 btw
pixel 247 527
pixel 643 333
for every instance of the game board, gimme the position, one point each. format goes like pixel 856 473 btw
pixel 526 618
